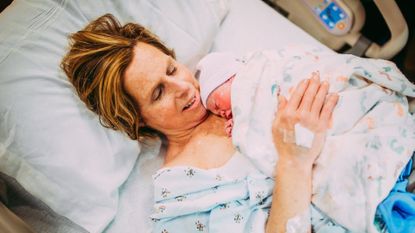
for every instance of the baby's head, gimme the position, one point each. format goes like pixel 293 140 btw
pixel 216 72
pixel 219 100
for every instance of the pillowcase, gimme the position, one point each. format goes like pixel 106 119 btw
pixel 49 142
pixel 278 32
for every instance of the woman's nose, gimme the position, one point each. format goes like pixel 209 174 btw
pixel 180 88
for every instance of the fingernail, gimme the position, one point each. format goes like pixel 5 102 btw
pixel 325 83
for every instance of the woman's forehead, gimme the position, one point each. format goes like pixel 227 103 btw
pixel 147 66
pixel 146 60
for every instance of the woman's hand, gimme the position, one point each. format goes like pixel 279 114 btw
pixel 311 107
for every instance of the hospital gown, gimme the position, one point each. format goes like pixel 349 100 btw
pixel 224 199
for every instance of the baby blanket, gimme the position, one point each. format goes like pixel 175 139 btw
pixel 372 134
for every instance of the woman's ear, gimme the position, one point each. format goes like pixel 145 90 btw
pixel 197 74
pixel 141 123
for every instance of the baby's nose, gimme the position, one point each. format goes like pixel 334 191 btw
pixel 228 114
pixel 222 113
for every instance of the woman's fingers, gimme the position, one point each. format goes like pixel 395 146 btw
pixel 282 102
pixel 297 95
pixel 310 93
pixel 309 105
pixel 328 107
pixel 319 99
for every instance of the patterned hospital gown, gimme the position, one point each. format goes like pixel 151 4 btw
pixel 233 198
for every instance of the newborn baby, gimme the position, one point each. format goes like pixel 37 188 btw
pixel 216 72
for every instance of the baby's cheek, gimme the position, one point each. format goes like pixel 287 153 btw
pixel 210 105
pixel 225 100
pixel 226 104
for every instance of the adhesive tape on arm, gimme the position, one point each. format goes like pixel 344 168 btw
pixel 303 136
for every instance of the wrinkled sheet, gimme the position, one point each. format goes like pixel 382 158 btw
pixel 371 137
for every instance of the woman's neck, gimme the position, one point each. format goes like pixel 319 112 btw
pixel 213 125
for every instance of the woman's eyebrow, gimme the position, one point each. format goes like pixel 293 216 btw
pixel 170 61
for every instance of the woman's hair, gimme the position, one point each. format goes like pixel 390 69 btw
pixel 95 65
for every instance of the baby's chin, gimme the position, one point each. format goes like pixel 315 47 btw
pixel 214 112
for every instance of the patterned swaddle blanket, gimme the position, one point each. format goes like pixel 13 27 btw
pixel 372 134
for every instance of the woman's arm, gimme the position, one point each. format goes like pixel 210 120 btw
pixel 311 107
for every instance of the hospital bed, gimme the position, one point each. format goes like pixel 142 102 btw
pixel 62 171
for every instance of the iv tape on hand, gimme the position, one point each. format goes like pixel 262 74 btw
pixel 303 136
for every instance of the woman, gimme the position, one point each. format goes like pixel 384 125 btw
pixel 132 81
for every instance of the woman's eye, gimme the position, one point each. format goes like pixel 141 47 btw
pixel 158 93
pixel 171 70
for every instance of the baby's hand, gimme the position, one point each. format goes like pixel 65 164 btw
pixel 228 127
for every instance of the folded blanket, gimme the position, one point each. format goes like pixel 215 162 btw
pixel 372 134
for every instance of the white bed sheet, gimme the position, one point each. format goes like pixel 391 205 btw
pixel 250 25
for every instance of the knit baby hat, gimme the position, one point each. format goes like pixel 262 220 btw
pixel 213 70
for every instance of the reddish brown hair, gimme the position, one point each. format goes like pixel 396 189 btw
pixel 95 65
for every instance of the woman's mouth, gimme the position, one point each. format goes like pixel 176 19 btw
pixel 190 104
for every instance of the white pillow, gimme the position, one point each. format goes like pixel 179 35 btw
pixel 239 32
pixel 49 142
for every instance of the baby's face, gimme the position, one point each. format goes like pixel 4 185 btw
pixel 219 101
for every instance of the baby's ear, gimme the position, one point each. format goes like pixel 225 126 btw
pixel 197 74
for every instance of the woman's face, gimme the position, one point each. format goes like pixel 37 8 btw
pixel 165 90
